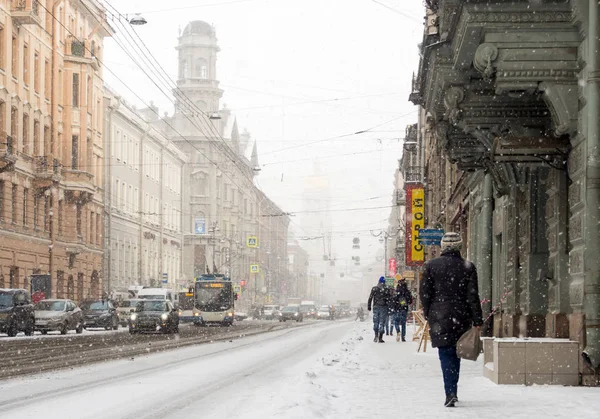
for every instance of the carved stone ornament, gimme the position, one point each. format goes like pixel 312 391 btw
pixel 454 95
pixel 485 55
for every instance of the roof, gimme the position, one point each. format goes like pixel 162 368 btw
pixel 198 27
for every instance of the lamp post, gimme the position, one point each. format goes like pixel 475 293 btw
pixel 384 236
pixel 213 231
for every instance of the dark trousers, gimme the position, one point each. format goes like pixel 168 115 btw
pixel 450 368
pixel 400 321
pixel 379 318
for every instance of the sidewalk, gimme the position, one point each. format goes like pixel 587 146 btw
pixel 363 379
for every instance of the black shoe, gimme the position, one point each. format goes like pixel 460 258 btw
pixel 376 337
pixel 381 338
pixel 451 400
pixel 403 339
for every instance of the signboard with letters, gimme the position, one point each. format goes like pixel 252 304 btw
pixel 392 266
pixel 415 221
pixel 431 236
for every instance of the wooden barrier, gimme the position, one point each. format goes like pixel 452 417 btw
pixel 422 333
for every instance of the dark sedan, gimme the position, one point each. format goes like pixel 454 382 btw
pixel 154 316
pixel 100 313
pixel 291 313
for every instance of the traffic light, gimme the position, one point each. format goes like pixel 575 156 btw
pixel 243 283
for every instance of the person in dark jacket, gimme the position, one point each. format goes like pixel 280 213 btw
pixel 380 298
pixel 402 300
pixel 451 305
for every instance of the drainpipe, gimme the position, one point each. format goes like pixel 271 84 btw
pixel 591 301
pixel 53 135
pixel 108 194
pixel 485 274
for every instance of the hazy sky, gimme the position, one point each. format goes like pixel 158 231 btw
pixel 297 72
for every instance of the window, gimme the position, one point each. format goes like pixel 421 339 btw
pixel 15 56
pixel 75 152
pixel 2 117
pixel 91 228
pixel 15 192
pixel 36 72
pixel 60 217
pixel 183 69
pixel 46 212
pixel 25 199
pixel 2 48
pixel 26 64
pixel 1 200
pixel 48 145
pixel 26 134
pixel 89 93
pixel 75 100
pixel 37 146
pixel 35 211
pixel 47 79
pixel 14 123
pixel 98 227
pixel 79 220
pixel 201 68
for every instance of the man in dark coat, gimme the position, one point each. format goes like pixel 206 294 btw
pixel 451 305
pixel 380 298
pixel 402 300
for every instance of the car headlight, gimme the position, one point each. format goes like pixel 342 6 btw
pixel 133 317
pixel 229 314
pixel 295 314
pixel 196 314
pixel 280 314
pixel 164 316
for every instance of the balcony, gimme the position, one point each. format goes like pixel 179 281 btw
pixel 8 155
pixel 78 184
pixel 47 171
pixel 26 12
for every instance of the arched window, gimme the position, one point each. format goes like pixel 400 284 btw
pixel 200 184
pixel 201 68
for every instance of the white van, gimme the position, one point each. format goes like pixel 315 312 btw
pixel 157 294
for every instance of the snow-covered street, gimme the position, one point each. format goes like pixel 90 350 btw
pixel 325 370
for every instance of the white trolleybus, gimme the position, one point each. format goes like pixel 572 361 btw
pixel 214 299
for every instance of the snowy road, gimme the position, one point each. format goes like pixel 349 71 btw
pixel 322 370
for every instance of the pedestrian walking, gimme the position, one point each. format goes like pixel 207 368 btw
pixel 380 298
pixel 451 305
pixel 389 323
pixel 402 300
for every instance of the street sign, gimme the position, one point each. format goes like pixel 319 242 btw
pixel 430 236
pixel 199 226
pixel 254 269
pixel 252 242
pixel 389 281
pixel 398 277
pixel 165 278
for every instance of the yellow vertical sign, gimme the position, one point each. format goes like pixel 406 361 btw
pixel 417 223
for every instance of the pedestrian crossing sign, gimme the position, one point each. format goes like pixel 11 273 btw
pixel 254 269
pixel 252 242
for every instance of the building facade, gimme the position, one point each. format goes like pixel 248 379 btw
pixel 143 186
pixel 223 210
pixel 513 96
pixel 51 153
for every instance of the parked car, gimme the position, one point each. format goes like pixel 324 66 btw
pixel 271 312
pixel 124 310
pixel 154 316
pixel 291 313
pixel 323 313
pixel 16 312
pixel 58 315
pixel 100 313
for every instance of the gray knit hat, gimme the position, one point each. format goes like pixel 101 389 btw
pixel 451 241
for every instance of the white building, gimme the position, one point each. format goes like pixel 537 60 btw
pixel 143 188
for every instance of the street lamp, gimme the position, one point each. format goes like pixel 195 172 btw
pixel 384 236
pixel 137 20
